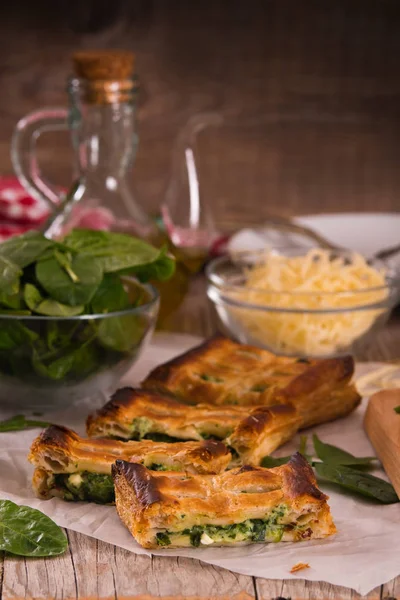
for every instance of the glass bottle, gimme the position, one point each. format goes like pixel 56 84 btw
pixel 101 118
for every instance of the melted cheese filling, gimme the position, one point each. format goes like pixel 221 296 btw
pixel 280 524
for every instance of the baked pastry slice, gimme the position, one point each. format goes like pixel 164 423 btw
pixel 75 468
pixel 137 414
pixel 241 506
pixel 223 372
pixel 250 432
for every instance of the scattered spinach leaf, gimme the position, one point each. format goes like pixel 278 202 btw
pixel 336 456
pixel 26 531
pixel 20 423
pixel 355 481
pixel 397 409
pixel 269 462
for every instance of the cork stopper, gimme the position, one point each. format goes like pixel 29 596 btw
pixel 104 65
pixel 108 75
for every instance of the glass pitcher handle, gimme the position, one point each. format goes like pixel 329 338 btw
pixel 23 151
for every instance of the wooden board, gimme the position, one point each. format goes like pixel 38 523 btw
pixel 382 425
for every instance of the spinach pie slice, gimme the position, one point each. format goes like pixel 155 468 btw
pixel 250 432
pixel 223 372
pixel 241 506
pixel 75 468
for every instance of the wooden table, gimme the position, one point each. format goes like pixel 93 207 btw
pixel 92 569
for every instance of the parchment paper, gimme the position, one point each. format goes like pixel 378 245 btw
pixel 362 555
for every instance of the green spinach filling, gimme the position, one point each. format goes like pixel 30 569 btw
pixel 254 530
pixel 143 429
pixel 86 486
pixel 93 487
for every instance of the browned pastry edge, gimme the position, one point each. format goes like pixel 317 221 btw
pixel 330 370
pixel 162 372
pixel 260 416
pixel 297 475
pixel 125 397
pixel 336 370
pixel 68 445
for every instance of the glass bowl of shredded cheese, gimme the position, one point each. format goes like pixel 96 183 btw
pixel 302 303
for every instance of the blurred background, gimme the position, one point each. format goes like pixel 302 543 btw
pixel 319 81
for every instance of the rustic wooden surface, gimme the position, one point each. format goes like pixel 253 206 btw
pixel 95 570
pixel 383 432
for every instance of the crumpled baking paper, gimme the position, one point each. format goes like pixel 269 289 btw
pixel 362 555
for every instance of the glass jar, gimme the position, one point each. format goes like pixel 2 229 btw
pixel 101 118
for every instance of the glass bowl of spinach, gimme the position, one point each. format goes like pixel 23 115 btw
pixel 75 314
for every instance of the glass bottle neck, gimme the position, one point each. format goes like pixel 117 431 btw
pixel 104 139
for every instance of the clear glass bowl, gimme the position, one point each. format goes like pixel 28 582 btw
pixel 48 362
pixel 283 323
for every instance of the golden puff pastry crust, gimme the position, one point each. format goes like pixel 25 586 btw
pixel 241 506
pixel 60 451
pixel 265 429
pixel 223 372
pixel 134 413
pixel 252 432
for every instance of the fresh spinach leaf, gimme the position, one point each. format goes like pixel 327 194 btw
pixel 117 252
pixel 65 280
pixel 9 311
pixel 52 308
pixel 58 284
pixel 11 301
pixel 110 296
pixel 28 532
pixel 19 423
pixel 161 269
pixel 14 334
pixel 303 449
pixel 333 455
pixel 357 482
pixel 25 249
pixel 53 335
pixel 397 409
pixel 86 359
pixel 32 296
pixel 120 333
pixel 10 275
pixel 56 369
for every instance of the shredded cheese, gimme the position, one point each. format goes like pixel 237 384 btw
pixel 311 282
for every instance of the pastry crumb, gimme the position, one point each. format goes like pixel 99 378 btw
pixel 299 567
